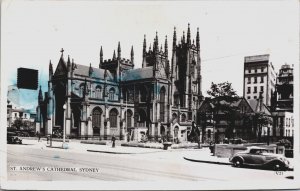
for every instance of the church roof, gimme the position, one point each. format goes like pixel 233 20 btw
pixel 255 105
pixel 97 72
pixel 137 74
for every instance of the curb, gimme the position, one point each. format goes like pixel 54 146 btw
pixel 110 152
pixel 210 162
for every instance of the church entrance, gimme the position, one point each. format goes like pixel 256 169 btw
pixel 96 122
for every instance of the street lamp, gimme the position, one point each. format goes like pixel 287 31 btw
pixel 64 145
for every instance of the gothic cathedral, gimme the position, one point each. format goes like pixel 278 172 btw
pixel 160 99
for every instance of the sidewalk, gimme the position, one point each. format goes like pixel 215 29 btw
pixel 205 156
pixel 76 146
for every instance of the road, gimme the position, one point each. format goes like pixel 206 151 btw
pixel 125 167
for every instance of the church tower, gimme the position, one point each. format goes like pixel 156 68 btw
pixel 186 72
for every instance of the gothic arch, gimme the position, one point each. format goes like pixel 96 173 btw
pixel 96 120
pixel 113 118
pixel 162 98
pixel 128 118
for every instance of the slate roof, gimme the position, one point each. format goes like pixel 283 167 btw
pixel 83 70
pixel 137 74
pixel 255 105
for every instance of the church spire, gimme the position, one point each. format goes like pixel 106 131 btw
pixel 114 55
pixel 40 98
pixel 101 57
pixel 198 39
pixel 132 55
pixel 69 64
pixel 119 51
pixel 166 47
pixel 189 35
pixel 174 39
pixel 156 46
pixel 50 70
pixel 183 38
pixel 144 46
pixel 90 70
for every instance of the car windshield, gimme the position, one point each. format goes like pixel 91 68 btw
pixel 258 151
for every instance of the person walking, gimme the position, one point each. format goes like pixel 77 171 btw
pixel 39 136
pixel 113 139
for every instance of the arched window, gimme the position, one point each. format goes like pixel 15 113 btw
pixel 96 121
pixel 113 114
pixel 143 94
pixel 174 117
pixel 128 116
pixel 111 94
pixel 183 117
pixel 98 92
pixel 81 90
pixel 162 104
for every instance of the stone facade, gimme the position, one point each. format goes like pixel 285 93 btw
pixel 156 100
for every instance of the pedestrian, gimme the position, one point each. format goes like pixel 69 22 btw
pixel 38 135
pixel 113 139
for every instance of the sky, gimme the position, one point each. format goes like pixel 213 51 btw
pixel 33 33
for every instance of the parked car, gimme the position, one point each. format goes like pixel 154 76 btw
pixel 259 157
pixel 12 138
pixel 237 141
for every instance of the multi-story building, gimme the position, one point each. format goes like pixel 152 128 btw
pixel 284 89
pixel 15 111
pixel 158 99
pixel 259 76
pixel 283 102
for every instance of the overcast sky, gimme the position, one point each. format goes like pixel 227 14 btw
pixel 33 32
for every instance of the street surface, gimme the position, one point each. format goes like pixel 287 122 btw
pixel 160 165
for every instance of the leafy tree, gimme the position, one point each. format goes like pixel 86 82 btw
pixel 18 123
pixel 223 98
pixel 223 89
pixel 262 119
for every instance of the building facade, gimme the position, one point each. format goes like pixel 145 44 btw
pixel 17 112
pixel 283 102
pixel 115 99
pixel 259 76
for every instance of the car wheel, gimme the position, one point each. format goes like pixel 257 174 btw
pixel 237 162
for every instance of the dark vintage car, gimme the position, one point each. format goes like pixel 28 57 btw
pixel 259 157
pixel 12 138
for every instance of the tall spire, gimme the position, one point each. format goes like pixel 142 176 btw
pixel 119 51
pixel 156 46
pixel 166 46
pixel 101 56
pixel 198 39
pixel 40 98
pixel 174 39
pixel 90 70
pixel 150 47
pixel 50 69
pixel 144 45
pixel 132 55
pixel 69 63
pixel 183 38
pixel 189 34
pixel 114 55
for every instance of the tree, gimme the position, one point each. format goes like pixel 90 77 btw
pixel 223 89
pixel 18 123
pixel 262 119
pixel 223 98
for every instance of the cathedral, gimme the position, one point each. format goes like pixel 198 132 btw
pixel 160 99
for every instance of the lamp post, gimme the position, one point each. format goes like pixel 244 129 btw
pixel 64 127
